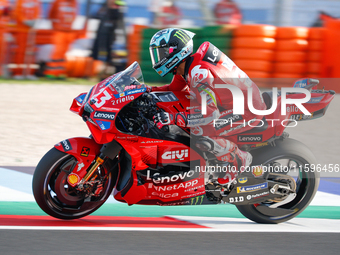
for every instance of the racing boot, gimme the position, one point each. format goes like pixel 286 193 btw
pixel 230 157
pixel 235 160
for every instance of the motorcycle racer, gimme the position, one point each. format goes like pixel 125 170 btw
pixel 171 52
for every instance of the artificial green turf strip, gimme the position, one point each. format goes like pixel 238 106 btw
pixel 113 209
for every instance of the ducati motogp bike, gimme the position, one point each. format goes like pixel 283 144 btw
pixel 128 156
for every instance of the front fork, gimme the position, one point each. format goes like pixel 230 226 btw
pixel 85 150
pixel 109 150
pixel 99 161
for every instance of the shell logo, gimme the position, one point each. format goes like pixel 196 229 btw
pixel 257 171
pixel 73 179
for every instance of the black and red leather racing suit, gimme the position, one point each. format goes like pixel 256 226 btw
pixel 203 70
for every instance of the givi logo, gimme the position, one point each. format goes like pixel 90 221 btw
pixel 177 155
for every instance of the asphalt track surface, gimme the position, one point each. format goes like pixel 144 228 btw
pixel 134 242
pixel 37 117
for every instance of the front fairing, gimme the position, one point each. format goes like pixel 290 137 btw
pixel 103 102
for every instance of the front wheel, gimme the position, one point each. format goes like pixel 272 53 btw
pixel 293 158
pixel 57 198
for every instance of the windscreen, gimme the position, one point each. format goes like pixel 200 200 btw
pixel 130 76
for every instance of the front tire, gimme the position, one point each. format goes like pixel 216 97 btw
pixel 55 197
pixel 300 160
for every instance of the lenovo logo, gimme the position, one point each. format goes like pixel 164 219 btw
pixel 249 138
pixel 104 115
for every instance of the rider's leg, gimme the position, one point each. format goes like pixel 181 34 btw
pixel 231 157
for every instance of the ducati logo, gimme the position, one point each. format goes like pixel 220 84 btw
pixel 196 130
pixel 80 166
pixel 177 155
pixel 198 75
pixel 181 123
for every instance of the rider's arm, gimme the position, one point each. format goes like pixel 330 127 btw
pixel 193 116
pixel 177 84
pixel 203 88
pixel 197 118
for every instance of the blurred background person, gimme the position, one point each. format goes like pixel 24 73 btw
pixel 322 18
pixel 4 10
pixel 111 17
pixel 170 14
pixel 227 12
pixel 62 14
pixel 24 15
pixel 155 7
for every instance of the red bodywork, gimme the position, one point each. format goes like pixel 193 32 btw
pixel 144 153
pixel 276 123
pixel 138 182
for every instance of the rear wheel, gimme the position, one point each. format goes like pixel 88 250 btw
pixel 57 198
pixel 296 160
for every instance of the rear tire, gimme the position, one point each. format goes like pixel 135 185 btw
pixel 307 181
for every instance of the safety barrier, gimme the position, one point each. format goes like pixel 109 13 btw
pixel 253 51
pixel 3 48
pixel 331 50
pixel 262 51
pixel 44 36
pixel 315 47
pixel 19 55
pixel 81 67
pixel 277 56
pixel 290 55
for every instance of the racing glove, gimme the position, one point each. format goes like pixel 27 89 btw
pixel 162 119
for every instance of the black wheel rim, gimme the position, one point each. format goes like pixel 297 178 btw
pixel 305 181
pixel 70 203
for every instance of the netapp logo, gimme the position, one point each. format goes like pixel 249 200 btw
pixel 249 138
pixel 104 115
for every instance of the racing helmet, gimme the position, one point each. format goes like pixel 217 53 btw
pixel 169 47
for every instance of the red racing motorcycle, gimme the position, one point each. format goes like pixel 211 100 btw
pixel 127 155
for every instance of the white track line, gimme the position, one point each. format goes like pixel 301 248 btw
pixel 245 225
pixel 215 224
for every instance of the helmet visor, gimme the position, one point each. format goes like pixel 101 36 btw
pixel 159 53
